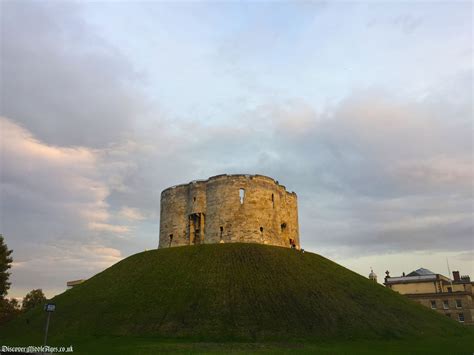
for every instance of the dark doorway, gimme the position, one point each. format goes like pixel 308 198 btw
pixel 196 228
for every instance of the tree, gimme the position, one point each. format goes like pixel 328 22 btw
pixel 9 309
pixel 32 299
pixel 5 264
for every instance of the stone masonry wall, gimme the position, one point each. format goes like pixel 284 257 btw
pixel 226 209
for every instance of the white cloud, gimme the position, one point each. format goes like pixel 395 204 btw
pixel 437 171
pixel 51 196
pixel 80 94
pixel 50 266
pixel 63 179
pixel 105 227
pixel 133 214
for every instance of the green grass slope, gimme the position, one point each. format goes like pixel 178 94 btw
pixel 231 292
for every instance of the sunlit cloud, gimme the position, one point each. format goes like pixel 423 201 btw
pixel 104 227
pixel 131 213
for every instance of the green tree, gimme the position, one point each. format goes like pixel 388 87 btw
pixel 5 264
pixel 9 309
pixel 32 299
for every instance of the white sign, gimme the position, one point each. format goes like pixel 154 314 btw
pixel 50 307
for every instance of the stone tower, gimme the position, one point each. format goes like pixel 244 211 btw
pixel 229 209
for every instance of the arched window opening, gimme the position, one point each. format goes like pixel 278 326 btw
pixel 273 201
pixel 261 229
pixel 194 199
pixel 242 195
pixel 222 231
pixel 171 239
pixel 283 227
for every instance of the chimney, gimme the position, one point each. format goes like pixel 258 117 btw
pixel 456 276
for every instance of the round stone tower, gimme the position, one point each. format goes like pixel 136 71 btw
pixel 229 209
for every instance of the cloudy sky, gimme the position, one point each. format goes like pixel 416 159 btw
pixel 363 109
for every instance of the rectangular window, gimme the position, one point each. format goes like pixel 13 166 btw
pixel 433 304
pixel 242 195
pixel 458 304
pixel 461 317
pixel 445 304
pixel 450 289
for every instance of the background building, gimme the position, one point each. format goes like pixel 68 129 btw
pixel 71 284
pixel 452 298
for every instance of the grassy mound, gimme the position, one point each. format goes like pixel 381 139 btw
pixel 231 292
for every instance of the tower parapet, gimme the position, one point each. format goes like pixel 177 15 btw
pixel 229 209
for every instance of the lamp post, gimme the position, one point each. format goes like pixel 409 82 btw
pixel 49 308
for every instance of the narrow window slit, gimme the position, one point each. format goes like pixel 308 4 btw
pixel 242 195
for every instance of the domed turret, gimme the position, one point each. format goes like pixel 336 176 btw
pixel 372 275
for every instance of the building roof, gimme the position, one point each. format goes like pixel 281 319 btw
pixel 421 272
pixel 419 275
pixel 410 279
pixel 74 282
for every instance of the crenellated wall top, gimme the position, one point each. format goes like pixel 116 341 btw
pixel 221 177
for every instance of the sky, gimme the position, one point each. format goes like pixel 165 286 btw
pixel 365 110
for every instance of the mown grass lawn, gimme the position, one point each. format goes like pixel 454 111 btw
pixel 237 298
pixel 136 345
